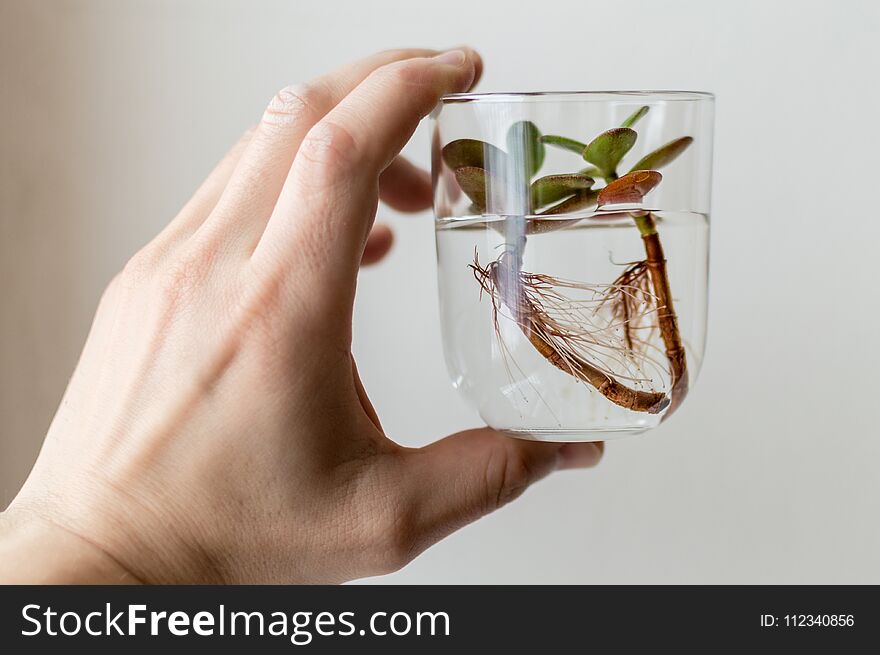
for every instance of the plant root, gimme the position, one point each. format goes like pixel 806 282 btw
pixel 597 347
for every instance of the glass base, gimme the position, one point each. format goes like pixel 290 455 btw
pixel 574 436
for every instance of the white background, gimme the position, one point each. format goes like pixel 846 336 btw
pixel 112 112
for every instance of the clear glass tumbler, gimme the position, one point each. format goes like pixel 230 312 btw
pixel 572 248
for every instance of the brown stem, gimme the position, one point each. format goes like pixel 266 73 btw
pixel 666 318
pixel 504 275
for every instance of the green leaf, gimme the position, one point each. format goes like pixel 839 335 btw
pixel 635 117
pixel 607 149
pixel 524 145
pixel 471 152
pixel 580 200
pixel 630 188
pixel 553 188
pixel 473 181
pixel 488 192
pixel 663 155
pixel 564 143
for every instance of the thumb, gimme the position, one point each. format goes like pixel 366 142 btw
pixel 457 480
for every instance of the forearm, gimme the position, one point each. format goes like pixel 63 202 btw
pixel 35 551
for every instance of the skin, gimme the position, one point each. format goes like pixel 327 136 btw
pixel 215 429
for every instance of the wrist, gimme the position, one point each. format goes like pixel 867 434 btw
pixel 34 550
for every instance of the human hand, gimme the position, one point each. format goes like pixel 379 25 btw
pixel 215 428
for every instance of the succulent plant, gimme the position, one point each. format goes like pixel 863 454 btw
pixel 495 178
pixel 504 181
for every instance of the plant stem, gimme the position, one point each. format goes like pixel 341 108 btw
pixel 666 318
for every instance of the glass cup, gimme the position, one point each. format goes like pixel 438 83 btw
pixel 572 252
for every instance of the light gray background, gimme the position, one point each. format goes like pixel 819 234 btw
pixel 112 112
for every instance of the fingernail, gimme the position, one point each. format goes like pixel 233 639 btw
pixel 451 57
pixel 580 455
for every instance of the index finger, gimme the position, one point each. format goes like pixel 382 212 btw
pixel 329 199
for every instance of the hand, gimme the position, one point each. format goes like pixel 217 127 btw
pixel 215 428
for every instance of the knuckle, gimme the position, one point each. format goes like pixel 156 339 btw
pixel 182 276
pixel 388 535
pixel 410 72
pixel 113 285
pixel 394 541
pixel 112 290
pixel 139 268
pixel 507 477
pixel 295 103
pixel 395 54
pixel 328 146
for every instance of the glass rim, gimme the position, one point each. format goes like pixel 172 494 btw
pixel 587 96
